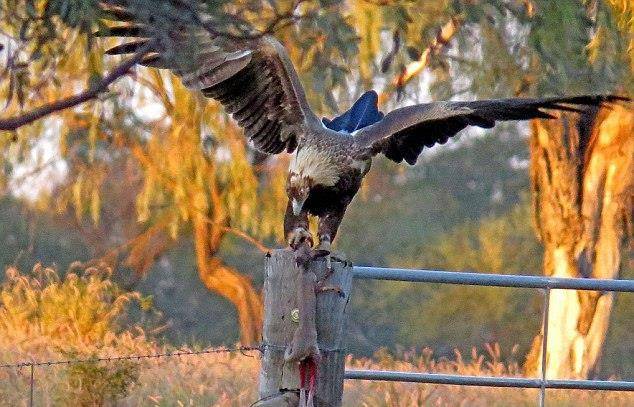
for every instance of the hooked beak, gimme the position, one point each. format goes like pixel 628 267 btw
pixel 297 206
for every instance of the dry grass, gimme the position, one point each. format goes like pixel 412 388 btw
pixel 384 394
pixel 43 317
pixel 231 380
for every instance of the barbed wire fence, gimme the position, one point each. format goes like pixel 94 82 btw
pixel 33 364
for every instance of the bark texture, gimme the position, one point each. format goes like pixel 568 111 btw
pixel 582 178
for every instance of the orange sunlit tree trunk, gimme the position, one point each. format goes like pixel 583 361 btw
pixel 227 282
pixel 582 176
pixel 209 225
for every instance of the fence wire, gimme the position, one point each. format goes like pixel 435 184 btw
pixel 35 363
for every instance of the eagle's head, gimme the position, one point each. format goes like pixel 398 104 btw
pixel 297 188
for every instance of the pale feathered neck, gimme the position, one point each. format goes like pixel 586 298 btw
pixel 315 164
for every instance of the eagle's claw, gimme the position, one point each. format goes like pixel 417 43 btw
pixel 323 250
pixel 317 253
pixel 298 237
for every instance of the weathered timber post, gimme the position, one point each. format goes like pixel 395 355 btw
pixel 279 380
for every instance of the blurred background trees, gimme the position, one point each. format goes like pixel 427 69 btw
pixel 158 183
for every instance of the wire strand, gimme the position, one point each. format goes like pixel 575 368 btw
pixel 132 357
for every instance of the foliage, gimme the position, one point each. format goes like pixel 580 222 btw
pixel 624 15
pixel 80 315
pixel 95 383
pixel 516 48
pixel 445 317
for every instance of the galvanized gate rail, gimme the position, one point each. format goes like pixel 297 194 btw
pixel 495 280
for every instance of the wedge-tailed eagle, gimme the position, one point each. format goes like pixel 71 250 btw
pixel 257 84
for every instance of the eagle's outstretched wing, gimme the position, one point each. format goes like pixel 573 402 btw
pixel 253 78
pixel 404 132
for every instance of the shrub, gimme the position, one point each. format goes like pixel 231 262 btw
pixel 76 313
pixel 94 383
pixel 75 316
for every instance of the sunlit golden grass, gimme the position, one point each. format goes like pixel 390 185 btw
pixel 43 313
pixel 367 393
pixel 45 317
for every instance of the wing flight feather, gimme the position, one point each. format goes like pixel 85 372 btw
pixel 404 132
pixel 254 79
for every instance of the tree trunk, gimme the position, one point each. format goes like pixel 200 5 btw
pixel 582 177
pixel 227 282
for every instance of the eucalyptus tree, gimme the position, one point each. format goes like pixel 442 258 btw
pixel 581 167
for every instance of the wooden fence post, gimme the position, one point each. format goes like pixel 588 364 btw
pixel 279 381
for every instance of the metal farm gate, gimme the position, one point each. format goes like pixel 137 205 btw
pixel 545 284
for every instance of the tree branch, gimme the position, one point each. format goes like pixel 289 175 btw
pixel 250 239
pixel 14 123
pixel 445 34
pixel 280 21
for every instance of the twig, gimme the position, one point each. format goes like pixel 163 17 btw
pixel 280 21
pixel 244 236
pixel 13 123
pixel 442 38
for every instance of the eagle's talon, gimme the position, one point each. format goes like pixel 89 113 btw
pixel 324 246
pixel 317 253
pixel 324 250
pixel 339 260
pixel 303 255
pixel 298 237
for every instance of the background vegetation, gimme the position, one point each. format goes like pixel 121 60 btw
pixel 33 325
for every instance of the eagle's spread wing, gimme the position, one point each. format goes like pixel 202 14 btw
pixel 254 79
pixel 404 132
